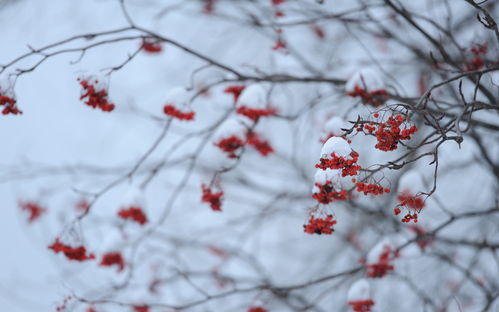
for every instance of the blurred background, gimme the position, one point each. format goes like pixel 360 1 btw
pixel 254 253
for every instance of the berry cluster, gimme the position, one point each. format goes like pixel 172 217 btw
pixel 405 198
pixel 255 114
pixel 230 145
pixel 383 266
pixel 327 193
pixel 479 51
pixel 72 253
pixel 133 213
pixel 373 189
pixel 34 209
pixel 475 64
pixel 263 147
pixel 9 105
pixel 388 134
pixel 172 111
pixel 277 2
pixel 235 91
pixel 113 258
pixel 94 97
pixel 257 309
pixel 319 225
pixel 410 217
pixel 414 203
pixel 214 199
pixel 374 98
pixel 279 45
pixel 348 167
pixel 233 144
pixel 279 13
pixel 141 308
pixel 151 46
pixel 361 305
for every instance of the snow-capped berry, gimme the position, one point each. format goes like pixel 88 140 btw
pixel 95 93
pixel 367 85
pixel 380 258
pixel 337 154
pixel 151 46
pixel 333 127
pixel 178 104
pixel 327 186
pixel 170 110
pixel 230 145
pixel 141 308
pixel 230 137
pixel 359 296
pixel 257 309
pixel 7 98
pixel 235 91
pixel 366 78
pixel 338 146
pixel 9 104
pixel 252 103
pixel 263 147
pixel 327 193
pixel 410 184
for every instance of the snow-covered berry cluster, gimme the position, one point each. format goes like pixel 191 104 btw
pixel 151 46
pixel 178 104
pixel 337 154
pixel 368 86
pixel 94 93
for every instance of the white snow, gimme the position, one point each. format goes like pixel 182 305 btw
pixel 368 79
pixel 134 196
pixel 253 96
pixel 231 127
pixel 336 145
pixel 494 78
pixel 6 87
pixel 321 176
pixel 287 64
pixel 359 291
pixel 334 125
pixel 179 97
